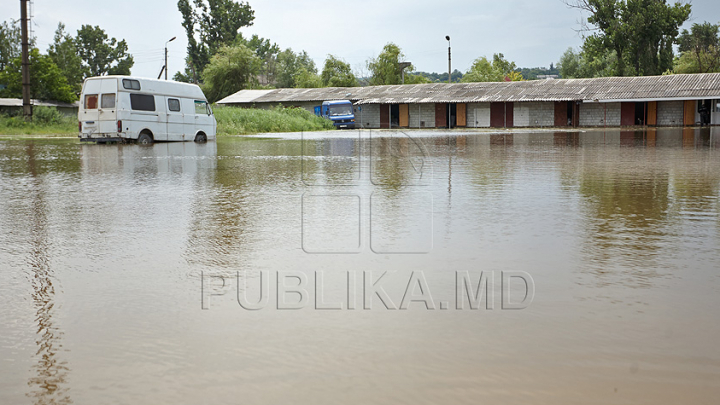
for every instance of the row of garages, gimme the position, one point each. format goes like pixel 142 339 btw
pixel 670 100
pixel 535 114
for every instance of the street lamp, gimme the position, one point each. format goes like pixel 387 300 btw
pixel 449 77
pixel 166 66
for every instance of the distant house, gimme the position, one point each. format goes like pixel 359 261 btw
pixel 672 100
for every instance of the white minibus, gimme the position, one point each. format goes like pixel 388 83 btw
pixel 124 108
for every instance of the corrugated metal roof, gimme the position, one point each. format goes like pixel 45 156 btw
pixel 604 89
pixel 245 96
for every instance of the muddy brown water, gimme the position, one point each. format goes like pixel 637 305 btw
pixel 343 267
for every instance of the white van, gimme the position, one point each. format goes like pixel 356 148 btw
pixel 123 108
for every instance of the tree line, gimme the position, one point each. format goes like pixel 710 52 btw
pixel 621 38
pixel 59 73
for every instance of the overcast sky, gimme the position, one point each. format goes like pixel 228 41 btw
pixel 529 32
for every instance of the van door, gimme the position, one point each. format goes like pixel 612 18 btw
pixel 203 119
pixel 88 114
pixel 175 124
pixel 107 111
pixel 188 113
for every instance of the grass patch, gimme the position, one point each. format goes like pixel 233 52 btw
pixel 243 121
pixel 45 121
pixel 48 121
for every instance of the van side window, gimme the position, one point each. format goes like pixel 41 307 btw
pixel 142 102
pixel 107 101
pixel 91 101
pixel 173 104
pixel 201 107
pixel 130 84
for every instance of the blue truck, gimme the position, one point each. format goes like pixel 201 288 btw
pixel 340 112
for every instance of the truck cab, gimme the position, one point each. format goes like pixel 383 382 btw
pixel 340 112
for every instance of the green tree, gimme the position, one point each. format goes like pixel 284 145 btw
pixel 415 78
pixel 267 51
pixel 65 55
pixel 699 49
pixel 209 26
pixel 385 69
pixel 10 38
pixel 337 73
pixel 233 68
pixel 306 79
pixel 47 81
pixel 289 64
pixel 639 32
pixel 499 70
pixel 102 55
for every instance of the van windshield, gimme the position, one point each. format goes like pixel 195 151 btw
pixel 340 109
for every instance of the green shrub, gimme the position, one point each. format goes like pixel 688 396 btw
pixel 45 120
pixel 240 121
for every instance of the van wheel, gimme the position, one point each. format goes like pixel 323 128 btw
pixel 145 139
pixel 200 138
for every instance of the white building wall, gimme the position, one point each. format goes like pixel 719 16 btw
pixel 533 114
pixel 421 115
pixel 595 114
pixel 670 113
pixel 542 114
pixel 368 117
pixel 478 115
pixel 521 115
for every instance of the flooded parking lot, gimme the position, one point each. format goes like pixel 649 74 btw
pixel 363 267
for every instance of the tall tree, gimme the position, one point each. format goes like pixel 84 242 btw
pixel 499 70
pixel 102 55
pixel 699 49
pixel 640 32
pixel 588 62
pixel 289 64
pixel 65 55
pixel 232 69
pixel 385 69
pixel 337 73
pixel 267 52
pixel 47 81
pixel 10 39
pixel 306 79
pixel 211 25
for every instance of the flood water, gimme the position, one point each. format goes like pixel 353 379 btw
pixel 324 268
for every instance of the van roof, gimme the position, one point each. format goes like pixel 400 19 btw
pixel 168 87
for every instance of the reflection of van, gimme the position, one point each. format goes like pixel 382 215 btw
pixel 122 108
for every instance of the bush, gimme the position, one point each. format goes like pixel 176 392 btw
pixel 45 120
pixel 241 121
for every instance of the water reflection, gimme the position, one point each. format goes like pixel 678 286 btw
pixel 597 217
pixel 48 385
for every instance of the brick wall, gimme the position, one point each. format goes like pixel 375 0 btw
pixel 426 114
pixel 533 114
pixel 594 114
pixel 670 113
pixel 478 115
pixel 369 117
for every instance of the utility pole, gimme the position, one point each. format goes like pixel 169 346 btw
pixel 449 76
pixel 27 107
pixel 166 66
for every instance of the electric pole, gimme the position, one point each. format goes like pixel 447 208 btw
pixel 27 107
